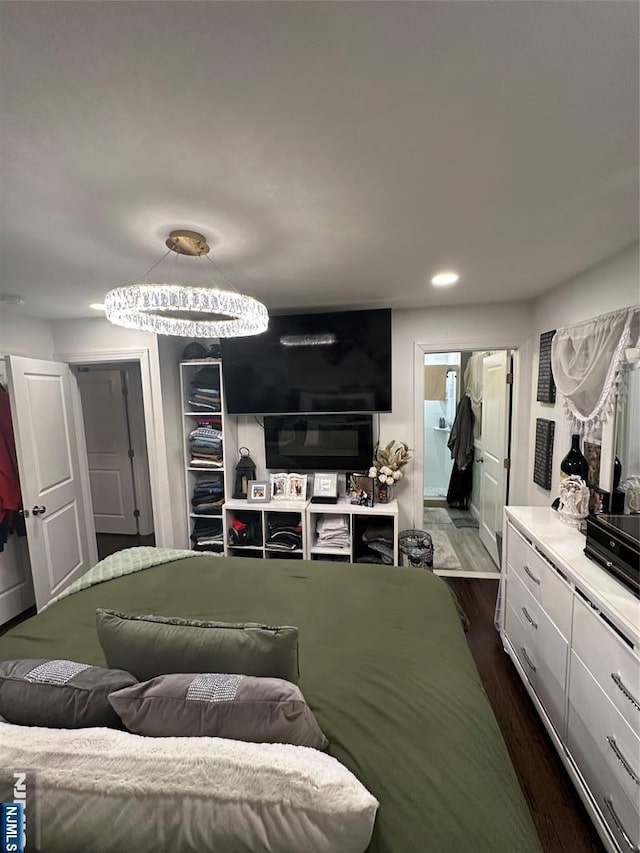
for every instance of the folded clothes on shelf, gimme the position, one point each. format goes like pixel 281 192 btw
pixel 206 447
pixel 284 532
pixel 205 390
pixel 208 495
pixel 207 534
pixel 377 539
pixel 333 531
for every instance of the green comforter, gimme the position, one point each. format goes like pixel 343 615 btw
pixel 384 665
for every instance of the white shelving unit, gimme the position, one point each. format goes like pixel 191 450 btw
pixel 260 515
pixel 188 370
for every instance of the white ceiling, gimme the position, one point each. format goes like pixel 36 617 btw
pixel 336 154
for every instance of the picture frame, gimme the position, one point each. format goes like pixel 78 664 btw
pixel 279 486
pixel 592 451
pixel 325 484
pixel 258 491
pixel 599 501
pixel 361 489
pixel 297 487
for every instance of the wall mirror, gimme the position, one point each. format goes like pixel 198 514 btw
pixel 627 439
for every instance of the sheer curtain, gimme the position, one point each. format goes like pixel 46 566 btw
pixel 586 360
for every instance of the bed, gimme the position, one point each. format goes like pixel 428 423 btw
pixel 384 665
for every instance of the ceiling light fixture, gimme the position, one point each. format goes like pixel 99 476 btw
pixel 185 310
pixel 443 278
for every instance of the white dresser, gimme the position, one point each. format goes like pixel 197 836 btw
pixel 573 633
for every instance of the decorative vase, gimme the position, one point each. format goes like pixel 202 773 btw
pixel 385 493
pixel 574 463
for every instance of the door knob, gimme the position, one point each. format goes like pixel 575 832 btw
pixel 38 510
pixel 481 459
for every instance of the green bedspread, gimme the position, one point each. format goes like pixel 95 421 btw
pixel 384 665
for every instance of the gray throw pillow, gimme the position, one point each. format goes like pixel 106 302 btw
pixel 239 707
pixel 59 694
pixel 155 645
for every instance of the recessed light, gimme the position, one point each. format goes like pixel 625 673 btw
pixel 97 306
pixel 443 278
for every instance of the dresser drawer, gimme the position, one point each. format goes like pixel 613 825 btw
pixel 612 663
pixel 607 752
pixel 551 591
pixel 540 648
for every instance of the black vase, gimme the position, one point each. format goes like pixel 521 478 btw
pixel 617 473
pixel 574 462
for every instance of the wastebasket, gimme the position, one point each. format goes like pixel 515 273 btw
pixel 417 547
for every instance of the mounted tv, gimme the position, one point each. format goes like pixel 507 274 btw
pixel 311 364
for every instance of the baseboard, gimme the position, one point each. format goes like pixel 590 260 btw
pixel 475 512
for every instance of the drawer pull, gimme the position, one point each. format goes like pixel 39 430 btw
pixel 616 751
pixel 620 685
pixel 620 827
pixel 531 575
pixel 527 616
pixel 527 658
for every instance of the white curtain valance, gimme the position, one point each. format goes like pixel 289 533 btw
pixel 586 360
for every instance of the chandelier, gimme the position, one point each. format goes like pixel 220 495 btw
pixel 185 310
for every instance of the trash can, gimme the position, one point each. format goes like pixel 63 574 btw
pixel 416 546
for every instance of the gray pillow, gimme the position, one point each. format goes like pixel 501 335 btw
pixel 240 707
pixel 61 694
pixel 155 645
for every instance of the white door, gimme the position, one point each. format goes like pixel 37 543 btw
pixel 16 586
pixel 495 438
pixel 106 430
pixel 54 478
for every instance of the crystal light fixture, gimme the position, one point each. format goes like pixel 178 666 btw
pixel 185 310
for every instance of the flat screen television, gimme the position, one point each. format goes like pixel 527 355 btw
pixel 311 363
pixel 318 442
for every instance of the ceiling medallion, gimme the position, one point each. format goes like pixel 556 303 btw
pixel 185 310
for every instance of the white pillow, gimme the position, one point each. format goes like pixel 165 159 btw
pixel 104 790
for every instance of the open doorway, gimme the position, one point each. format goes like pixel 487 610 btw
pixel 114 427
pixel 465 423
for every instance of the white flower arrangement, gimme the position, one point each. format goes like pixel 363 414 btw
pixel 388 461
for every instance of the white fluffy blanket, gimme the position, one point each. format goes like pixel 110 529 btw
pixel 104 790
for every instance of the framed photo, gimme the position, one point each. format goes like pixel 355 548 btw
pixel 297 487
pixel 361 489
pixel 279 487
pixel 325 484
pixel 258 491
pixel 592 453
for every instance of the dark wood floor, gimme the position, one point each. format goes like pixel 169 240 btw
pixel 558 814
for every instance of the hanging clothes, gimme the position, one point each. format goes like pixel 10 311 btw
pixel 461 446
pixel 10 496
pixel 461 439
pixel 473 387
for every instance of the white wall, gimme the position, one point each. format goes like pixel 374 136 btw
pixel 169 352
pixel 25 336
pixel 606 287
pixel 496 326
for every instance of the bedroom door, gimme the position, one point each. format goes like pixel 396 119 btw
pixel 109 450
pixel 54 476
pixel 16 586
pixel 495 442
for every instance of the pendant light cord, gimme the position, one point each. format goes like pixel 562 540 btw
pixel 205 258
pixel 157 263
